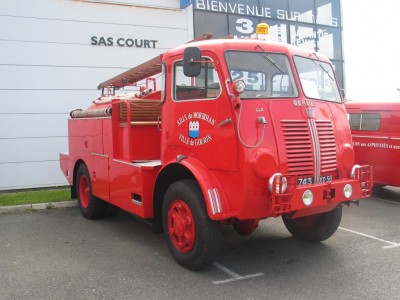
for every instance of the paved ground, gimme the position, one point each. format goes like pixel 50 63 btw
pixel 57 254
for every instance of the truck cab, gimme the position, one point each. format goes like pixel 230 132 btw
pixel 238 131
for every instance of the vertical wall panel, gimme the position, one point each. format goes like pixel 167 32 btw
pixel 53 54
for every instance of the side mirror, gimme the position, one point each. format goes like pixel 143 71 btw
pixel 191 61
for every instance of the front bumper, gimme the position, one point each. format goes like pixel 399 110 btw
pixel 326 196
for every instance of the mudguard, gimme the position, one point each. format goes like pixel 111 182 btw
pixel 214 195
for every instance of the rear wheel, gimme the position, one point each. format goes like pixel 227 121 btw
pixel 315 228
pixel 192 237
pixel 90 206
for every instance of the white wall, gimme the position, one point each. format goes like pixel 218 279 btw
pixel 371 44
pixel 48 67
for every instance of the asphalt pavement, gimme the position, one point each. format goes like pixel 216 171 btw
pixel 58 254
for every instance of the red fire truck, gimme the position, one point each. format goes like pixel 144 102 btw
pixel 235 131
pixel 375 128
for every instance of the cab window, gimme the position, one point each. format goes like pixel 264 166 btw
pixel 204 86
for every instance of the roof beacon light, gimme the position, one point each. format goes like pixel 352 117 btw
pixel 262 32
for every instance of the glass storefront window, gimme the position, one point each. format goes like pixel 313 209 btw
pixel 302 11
pixel 328 13
pixel 303 36
pixel 312 24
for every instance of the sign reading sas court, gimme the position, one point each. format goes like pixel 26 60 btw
pixel 122 42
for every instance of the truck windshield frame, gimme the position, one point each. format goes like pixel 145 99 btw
pixel 266 75
pixel 317 79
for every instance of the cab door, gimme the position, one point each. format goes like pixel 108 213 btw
pixel 202 124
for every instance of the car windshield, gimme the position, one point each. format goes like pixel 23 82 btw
pixel 266 75
pixel 317 79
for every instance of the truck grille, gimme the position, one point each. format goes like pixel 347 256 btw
pixel 327 146
pixel 302 139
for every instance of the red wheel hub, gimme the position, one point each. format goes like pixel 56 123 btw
pixel 181 226
pixel 84 192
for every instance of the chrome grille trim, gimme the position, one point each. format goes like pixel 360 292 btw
pixel 317 149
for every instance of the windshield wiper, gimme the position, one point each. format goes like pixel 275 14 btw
pixel 265 55
pixel 321 66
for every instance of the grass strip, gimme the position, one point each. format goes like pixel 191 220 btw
pixel 32 197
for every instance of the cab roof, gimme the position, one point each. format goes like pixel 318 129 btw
pixel 222 45
pixel 204 43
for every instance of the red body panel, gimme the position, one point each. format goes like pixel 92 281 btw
pixel 378 147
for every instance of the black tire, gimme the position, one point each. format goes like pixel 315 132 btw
pixel 315 228
pixel 245 227
pixel 195 243
pixel 90 206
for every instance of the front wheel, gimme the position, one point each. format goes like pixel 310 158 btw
pixel 192 237
pixel 245 227
pixel 314 228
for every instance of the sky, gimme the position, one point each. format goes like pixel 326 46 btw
pixel 371 45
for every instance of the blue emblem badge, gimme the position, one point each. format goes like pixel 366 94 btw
pixel 194 129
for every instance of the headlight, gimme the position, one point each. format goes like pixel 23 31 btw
pixel 279 181
pixel 347 191
pixel 308 198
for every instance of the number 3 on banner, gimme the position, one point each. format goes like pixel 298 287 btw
pixel 244 26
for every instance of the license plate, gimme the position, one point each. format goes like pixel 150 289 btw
pixel 310 180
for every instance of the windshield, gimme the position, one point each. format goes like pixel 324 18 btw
pixel 266 75
pixel 317 79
